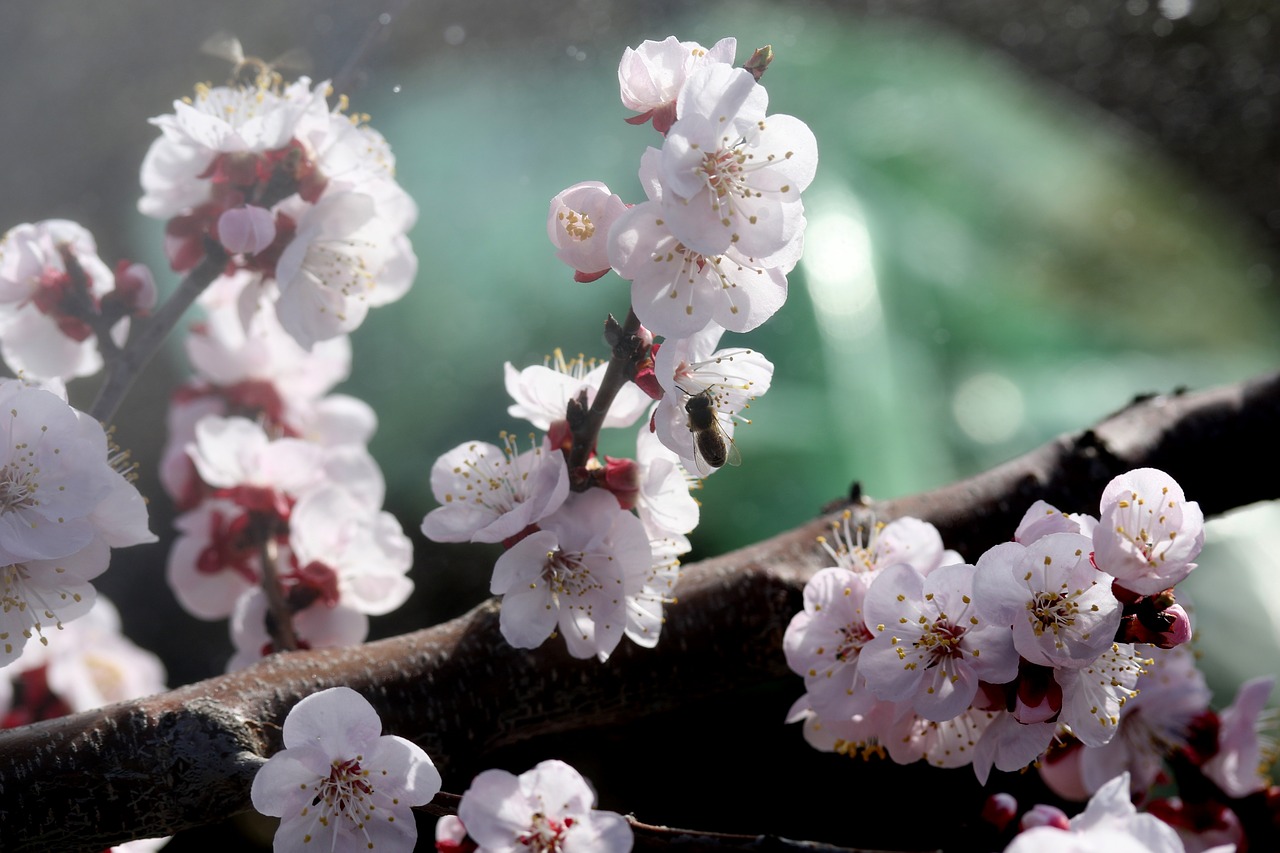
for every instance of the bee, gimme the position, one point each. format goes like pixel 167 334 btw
pixel 250 70
pixel 714 448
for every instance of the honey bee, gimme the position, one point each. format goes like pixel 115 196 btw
pixel 250 70
pixel 713 446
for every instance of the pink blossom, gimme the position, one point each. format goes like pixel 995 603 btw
pixel 549 809
pixel 823 643
pixel 1148 533
pixel 317 626
pixel 542 391
pixel 578 225
pixel 574 574
pixel 652 75
pixel 932 645
pixel 488 494
pixel 340 782
pixel 1235 767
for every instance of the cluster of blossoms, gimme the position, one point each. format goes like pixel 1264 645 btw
pixel 1064 646
pixel 57 295
pixel 593 545
pixel 301 197
pixel 282 503
pixel 63 507
pixel 340 784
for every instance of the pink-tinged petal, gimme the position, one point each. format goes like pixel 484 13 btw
pixel 409 772
pixel 493 810
pixel 277 786
pixel 528 616
pixel 995 589
pixel 601 831
pixel 339 720
pixel 521 565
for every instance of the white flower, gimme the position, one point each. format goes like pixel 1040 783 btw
pixel 732 176
pixel 824 640
pixel 542 391
pixel 214 560
pixel 664 502
pixel 331 531
pixel 1148 533
pixel 342 260
pixel 645 606
pixel 1093 696
pixel 1042 518
pixel 489 494
pixel 1171 694
pixel 932 646
pixel 1110 823
pixel 1235 768
pixel 42 331
pixel 236 456
pixel 1061 608
pixel 868 550
pixel 578 225
pixel 731 379
pixel 675 290
pixel 339 784
pixel 575 573
pixel 652 75
pixel 546 810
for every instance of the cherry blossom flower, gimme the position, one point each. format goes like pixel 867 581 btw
pixel 1109 822
pixel 43 333
pixel 1061 608
pixel 675 290
pixel 578 225
pixel 365 551
pixel 542 391
pixel 1010 745
pixel 931 646
pixel 652 75
pixel 731 175
pixel 451 836
pixel 489 494
pixel 574 573
pixel 869 549
pixel 731 379
pixel 823 643
pixel 549 809
pixel 1148 532
pixel 339 783
pixel 1235 768
pixel 235 456
pixel 1092 696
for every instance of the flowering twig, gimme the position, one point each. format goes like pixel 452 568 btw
pixel 585 425
pixel 279 614
pixel 186 758
pixel 127 363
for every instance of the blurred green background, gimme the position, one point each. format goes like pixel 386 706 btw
pixel 990 259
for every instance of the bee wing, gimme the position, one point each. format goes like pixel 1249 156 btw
pixel 732 456
pixel 223 45
pixel 705 468
pixel 294 59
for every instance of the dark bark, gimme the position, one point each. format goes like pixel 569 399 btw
pixel 186 758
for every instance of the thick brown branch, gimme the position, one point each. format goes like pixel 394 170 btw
pixel 186 758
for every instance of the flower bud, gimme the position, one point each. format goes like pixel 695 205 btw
pixel 1042 815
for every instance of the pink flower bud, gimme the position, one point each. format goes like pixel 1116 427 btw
pixel 999 810
pixel 135 288
pixel 246 230
pixel 1042 815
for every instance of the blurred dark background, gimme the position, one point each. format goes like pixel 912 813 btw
pixel 1025 213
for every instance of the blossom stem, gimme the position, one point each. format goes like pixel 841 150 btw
pixel 125 365
pixel 279 615
pixel 621 369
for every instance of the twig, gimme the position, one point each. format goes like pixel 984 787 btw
pixel 124 368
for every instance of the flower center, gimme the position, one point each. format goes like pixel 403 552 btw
pixel 941 641
pixel 1051 611
pixel 546 834
pixel 577 225
pixel 19 481
pixel 852 638
pixel 345 792
pixel 567 574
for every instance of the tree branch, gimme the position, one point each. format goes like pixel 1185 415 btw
pixel 186 758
